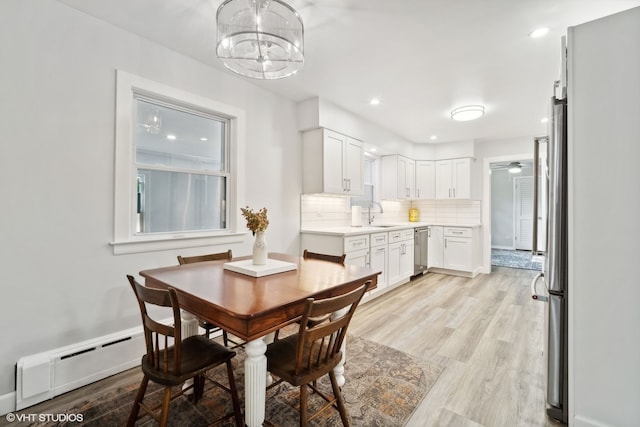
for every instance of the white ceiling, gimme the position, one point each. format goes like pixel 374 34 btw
pixel 422 58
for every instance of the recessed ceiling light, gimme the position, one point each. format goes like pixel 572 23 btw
pixel 433 137
pixel 468 112
pixel 539 32
pixel 171 136
pixel 374 101
pixel 373 150
pixel 544 120
pixel 204 139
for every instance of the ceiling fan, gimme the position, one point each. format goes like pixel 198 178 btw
pixel 512 167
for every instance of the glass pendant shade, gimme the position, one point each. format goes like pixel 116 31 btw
pixel 153 122
pixel 261 39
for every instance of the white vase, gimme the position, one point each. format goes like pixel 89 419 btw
pixel 260 249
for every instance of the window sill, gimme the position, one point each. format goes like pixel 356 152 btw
pixel 156 243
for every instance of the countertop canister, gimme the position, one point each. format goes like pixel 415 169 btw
pixel 414 215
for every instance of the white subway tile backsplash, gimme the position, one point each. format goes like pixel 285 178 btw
pixel 319 211
pixel 324 211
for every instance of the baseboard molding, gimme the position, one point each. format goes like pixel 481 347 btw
pixel 7 403
pixel 504 248
pixel 467 274
pixel 582 421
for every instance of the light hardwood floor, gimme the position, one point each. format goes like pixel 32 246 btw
pixel 487 334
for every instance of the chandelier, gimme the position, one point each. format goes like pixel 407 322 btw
pixel 261 39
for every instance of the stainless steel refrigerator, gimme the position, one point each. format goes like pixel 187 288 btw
pixel 555 277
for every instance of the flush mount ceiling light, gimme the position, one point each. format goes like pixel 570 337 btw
pixel 539 32
pixel 468 112
pixel 515 167
pixel 261 39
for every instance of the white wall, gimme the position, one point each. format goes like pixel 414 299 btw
pixel 317 112
pixel 604 230
pixel 61 282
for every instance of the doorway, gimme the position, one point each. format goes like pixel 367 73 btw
pixel 511 213
pixel 512 206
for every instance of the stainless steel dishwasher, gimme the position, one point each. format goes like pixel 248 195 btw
pixel 420 242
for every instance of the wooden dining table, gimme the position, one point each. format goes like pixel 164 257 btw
pixel 252 307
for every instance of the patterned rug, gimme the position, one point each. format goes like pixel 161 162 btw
pixel 516 259
pixel 383 388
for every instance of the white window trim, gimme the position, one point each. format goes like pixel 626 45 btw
pixel 125 239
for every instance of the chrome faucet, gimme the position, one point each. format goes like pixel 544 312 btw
pixel 370 217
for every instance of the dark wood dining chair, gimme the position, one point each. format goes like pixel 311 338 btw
pixel 208 257
pixel 332 258
pixel 338 259
pixel 170 360
pixel 301 359
pixel 209 327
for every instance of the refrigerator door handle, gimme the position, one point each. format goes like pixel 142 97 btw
pixel 534 293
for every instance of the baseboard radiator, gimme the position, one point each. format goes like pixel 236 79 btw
pixel 42 376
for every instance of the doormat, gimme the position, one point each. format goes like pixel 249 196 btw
pixel 384 386
pixel 516 259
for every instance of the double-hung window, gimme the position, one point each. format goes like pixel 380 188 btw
pixel 176 168
pixel 181 168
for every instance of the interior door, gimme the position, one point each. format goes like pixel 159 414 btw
pixel 523 217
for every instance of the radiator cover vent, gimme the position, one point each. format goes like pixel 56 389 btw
pixel 45 375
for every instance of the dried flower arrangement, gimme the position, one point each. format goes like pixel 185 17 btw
pixel 256 221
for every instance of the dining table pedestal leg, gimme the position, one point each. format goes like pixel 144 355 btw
pixel 255 382
pixel 189 324
pixel 189 328
pixel 339 369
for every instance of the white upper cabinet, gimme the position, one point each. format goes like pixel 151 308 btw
pixel 332 163
pixel 425 179
pixel 453 178
pixel 354 166
pixel 398 177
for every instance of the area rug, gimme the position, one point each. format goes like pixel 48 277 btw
pixel 516 259
pixel 383 388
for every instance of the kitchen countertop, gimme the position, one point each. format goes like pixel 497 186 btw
pixel 376 228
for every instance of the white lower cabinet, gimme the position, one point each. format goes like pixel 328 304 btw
pixel 356 249
pixel 359 258
pixel 378 256
pixel 455 249
pixel 400 264
pixel 391 253
pixel 458 254
pixel 435 245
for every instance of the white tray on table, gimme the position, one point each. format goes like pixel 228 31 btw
pixel 273 266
